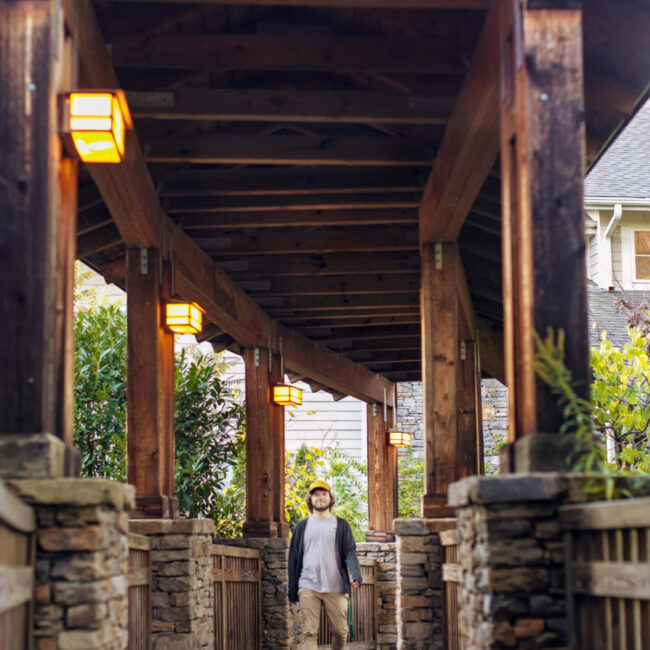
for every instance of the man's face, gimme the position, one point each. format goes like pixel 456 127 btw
pixel 320 499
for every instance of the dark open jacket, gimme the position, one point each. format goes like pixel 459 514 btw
pixel 345 547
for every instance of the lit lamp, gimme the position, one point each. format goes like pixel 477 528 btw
pixel 286 395
pixel 397 438
pixel 183 317
pixel 97 122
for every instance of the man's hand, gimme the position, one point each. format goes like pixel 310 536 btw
pixel 295 608
pixel 356 584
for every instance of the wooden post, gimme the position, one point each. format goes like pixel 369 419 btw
pixel 439 314
pixel 468 428
pixel 35 340
pixel 382 470
pixel 542 169
pixel 150 387
pixel 265 471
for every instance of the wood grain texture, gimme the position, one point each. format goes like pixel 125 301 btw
pixel 29 200
pixel 439 313
pixel 468 435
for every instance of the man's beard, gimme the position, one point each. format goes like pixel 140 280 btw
pixel 320 508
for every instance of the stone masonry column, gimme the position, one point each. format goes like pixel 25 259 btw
pixel 419 583
pixel 512 559
pixel 183 594
pixel 81 561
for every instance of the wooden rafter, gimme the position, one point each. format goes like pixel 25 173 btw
pixel 290 150
pixel 320 53
pixel 196 277
pixel 288 106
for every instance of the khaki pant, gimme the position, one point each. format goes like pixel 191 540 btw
pixel 336 607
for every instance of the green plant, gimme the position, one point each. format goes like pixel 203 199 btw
pixel 410 472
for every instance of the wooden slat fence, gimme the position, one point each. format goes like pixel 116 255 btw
pixel 17 526
pixel 607 554
pixel 451 577
pixel 237 575
pixel 364 612
pixel 139 577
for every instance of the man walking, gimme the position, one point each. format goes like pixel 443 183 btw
pixel 321 552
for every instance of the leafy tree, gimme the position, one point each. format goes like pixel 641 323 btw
pixel 411 484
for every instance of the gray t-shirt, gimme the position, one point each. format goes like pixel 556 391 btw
pixel 321 565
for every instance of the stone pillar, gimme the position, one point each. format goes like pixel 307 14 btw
pixel 386 557
pixel 419 583
pixel 512 559
pixel 280 628
pixel 81 561
pixel 183 594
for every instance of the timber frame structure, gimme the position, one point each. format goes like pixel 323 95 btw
pixel 367 191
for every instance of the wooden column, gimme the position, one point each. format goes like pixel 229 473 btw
pixel 439 314
pixel 265 466
pixel 382 470
pixel 469 434
pixel 35 283
pixel 542 165
pixel 150 387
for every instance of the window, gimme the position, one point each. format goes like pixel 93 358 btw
pixel 642 254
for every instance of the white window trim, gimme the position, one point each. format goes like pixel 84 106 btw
pixel 629 260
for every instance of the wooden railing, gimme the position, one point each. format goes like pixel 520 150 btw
pixel 451 576
pixel 139 577
pixel 607 553
pixel 364 612
pixel 237 575
pixel 17 525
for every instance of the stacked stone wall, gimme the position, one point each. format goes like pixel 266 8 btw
pixel 419 583
pixel 81 561
pixel 494 396
pixel 386 589
pixel 182 587
pixel 512 559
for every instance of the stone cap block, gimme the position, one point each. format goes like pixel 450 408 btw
pixel 443 523
pixel 75 492
pixel 31 455
pixel 172 526
pixel 511 488
pixel 14 513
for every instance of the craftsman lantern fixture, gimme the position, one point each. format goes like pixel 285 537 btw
pixel 397 438
pixel 183 317
pixel 286 395
pixel 97 122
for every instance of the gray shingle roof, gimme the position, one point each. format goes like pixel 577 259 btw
pixel 624 169
pixel 604 317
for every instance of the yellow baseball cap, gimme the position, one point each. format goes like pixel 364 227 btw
pixel 319 485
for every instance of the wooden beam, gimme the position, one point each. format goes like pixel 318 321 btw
pixel 386 332
pixel 351 321
pixel 262 105
pixel 470 145
pixel 196 277
pixel 256 204
pixel 346 4
pixel 439 311
pixel 371 345
pixel 149 388
pixel 296 181
pixel 244 267
pixel 382 468
pixel 468 449
pixel 542 166
pixel 277 241
pixel 290 150
pixel 318 53
pixel 490 345
pixel 327 303
pixel 299 218
pixel 98 240
pixel 332 284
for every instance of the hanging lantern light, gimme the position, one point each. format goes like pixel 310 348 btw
pixel 97 122
pixel 397 438
pixel 286 395
pixel 183 317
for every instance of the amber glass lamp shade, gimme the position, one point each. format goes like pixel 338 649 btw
pixel 183 317
pixel 286 395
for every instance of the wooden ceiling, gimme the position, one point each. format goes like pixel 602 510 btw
pixel 293 144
